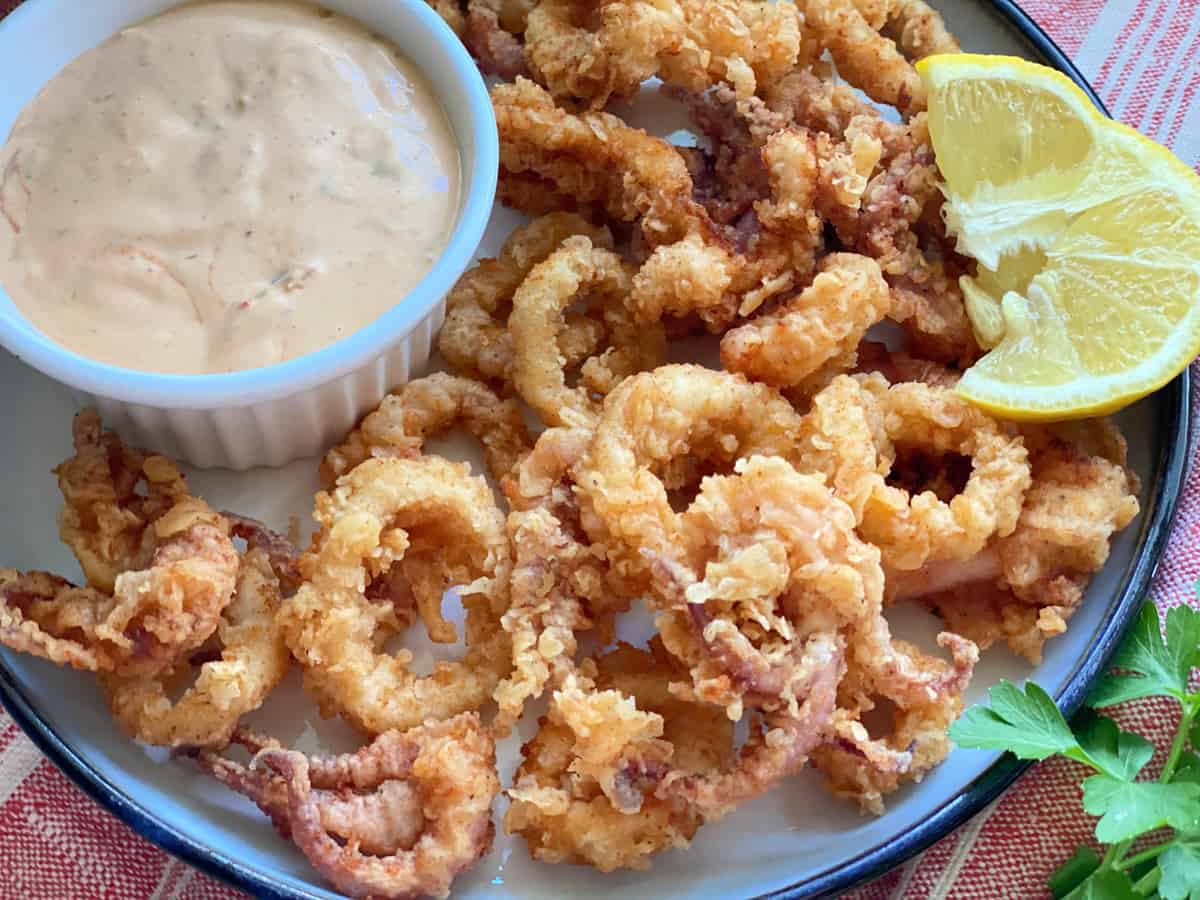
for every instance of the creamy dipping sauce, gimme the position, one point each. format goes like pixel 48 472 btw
pixel 226 186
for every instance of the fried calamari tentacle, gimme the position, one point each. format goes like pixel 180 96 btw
pixel 281 552
pixel 112 493
pixel 649 423
pixel 777 746
pixel 585 789
pixel 1025 587
pixel 440 526
pixel 475 339
pixel 864 768
pixel 821 326
pixel 772 571
pixel 153 617
pixel 400 818
pixel 427 407
pixel 559 586
pixel 863 56
pixel 252 660
pixel 594 52
pixel 577 270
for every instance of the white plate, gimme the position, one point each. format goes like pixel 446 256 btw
pixel 795 842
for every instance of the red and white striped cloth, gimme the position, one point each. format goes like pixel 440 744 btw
pixel 1143 58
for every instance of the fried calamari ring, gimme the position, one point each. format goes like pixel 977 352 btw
pixel 106 512
pixel 576 269
pixel 475 339
pixel 912 528
pixel 772 573
pixel 400 818
pixel 441 527
pixel 252 660
pixel 429 406
pixel 939 421
pixel 1024 588
pixel 611 59
pixel 154 616
pixel 584 792
pixel 651 422
pixel 821 326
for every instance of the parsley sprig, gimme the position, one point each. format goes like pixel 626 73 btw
pixel 1028 724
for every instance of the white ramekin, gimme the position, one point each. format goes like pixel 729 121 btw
pixel 295 409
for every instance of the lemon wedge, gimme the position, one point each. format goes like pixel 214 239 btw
pixel 1087 236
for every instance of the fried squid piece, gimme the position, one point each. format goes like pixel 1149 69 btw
pixel 863 56
pixel 768 575
pixel 597 159
pixel 281 552
pixel 596 51
pixel 860 434
pixel 493 32
pixel 654 423
pixel 154 615
pixel 778 744
pixel 400 818
pixel 431 525
pixel 559 586
pixel 926 695
pixel 745 43
pixel 575 271
pixel 918 29
pixel 250 659
pixel 1024 588
pixel 817 333
pixel 425 408
pixel 475 340
pixel 585 791
pixel 112 494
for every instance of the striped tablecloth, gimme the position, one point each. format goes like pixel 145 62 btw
pixel 1143 58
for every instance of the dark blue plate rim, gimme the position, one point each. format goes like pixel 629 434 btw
pixel 1160 510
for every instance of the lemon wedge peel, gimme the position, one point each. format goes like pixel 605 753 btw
pixel 1063 248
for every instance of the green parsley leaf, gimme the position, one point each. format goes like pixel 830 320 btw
pixel 1180 871
pixel 1158 669
pixel 1194 736
pixel 1074 871
pixel 1027 724
pixel 1121 754
pixel 1106 884
pixel 1188 768
pixel 1128 809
